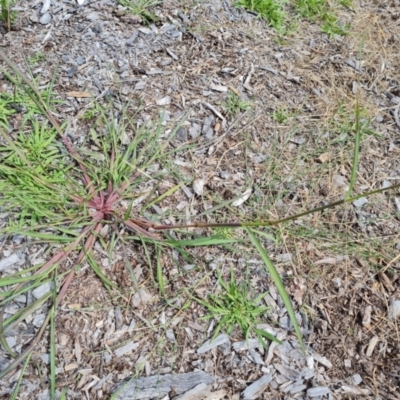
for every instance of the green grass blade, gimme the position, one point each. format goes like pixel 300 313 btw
pixel 203 241
pixel 356 153
pixel 92 262
pixel 279 284
pixel 160 277
pixel 16 389
pixel 159 198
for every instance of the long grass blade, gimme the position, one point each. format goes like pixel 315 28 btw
pixel 21 376
pixel 356 152
pixel 279 284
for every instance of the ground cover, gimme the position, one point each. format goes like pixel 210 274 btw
pixel 271 133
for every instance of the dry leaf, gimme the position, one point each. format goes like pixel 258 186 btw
pixel 141 298
pixel 323 158
pixel 198 186
pixel 242 198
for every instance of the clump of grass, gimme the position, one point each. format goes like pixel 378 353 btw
pixel 281 115
pixel 7 15
pixel 233 308
pixel 142 8
pixel 320 10
pixel 36 58
pixel 234 104
pixel 69 199
pixel 271 10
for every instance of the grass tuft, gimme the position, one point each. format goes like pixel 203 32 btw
pixel 233 308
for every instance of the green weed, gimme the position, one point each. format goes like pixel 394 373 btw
pixel 234 104
pixel 142 9
pixel 37 58
pixel 7 15
pixel 233 308
pixel 281 115
pixel 270 10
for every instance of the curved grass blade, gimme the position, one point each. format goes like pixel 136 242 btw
pixel 279 284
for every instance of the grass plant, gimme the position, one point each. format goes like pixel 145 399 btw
pixel 234 104
pixel 275 12
pixel 233 308
pixel 68 198
pixel 142 8
pixel 7 15
pixel 271 10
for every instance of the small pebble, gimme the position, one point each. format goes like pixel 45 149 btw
pixel 45 7
pixel 42 290
pixel 360 202
pixel 45 19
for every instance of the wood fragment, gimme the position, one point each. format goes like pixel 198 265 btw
pixel 160 385
pixel 216 112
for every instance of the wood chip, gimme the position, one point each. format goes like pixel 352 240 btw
pixel 127 348
pixel 212 344
pixel 371 346
pixel 322 360
pixel 78 94
pixel 257 388
pixel 159 386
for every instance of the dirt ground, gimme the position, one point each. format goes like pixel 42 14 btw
pixel 290 141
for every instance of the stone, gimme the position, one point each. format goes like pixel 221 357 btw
pixel 45 19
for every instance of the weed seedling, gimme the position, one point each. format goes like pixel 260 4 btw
pixel 142 9
pixel 233 308
pixel 281 115
pixel 270 10
pixel 233 104
pixel 7 15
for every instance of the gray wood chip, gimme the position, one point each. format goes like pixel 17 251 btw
pixel 126 349
pixel 140 85
pixel 256 388
pixel 45 19
pixel 160 385
pixel 322 360
pixel 42 290
pixel 287 372
pixel 246 345
pixel 360 202
pixel 256 357
pixel 9 261
pixel 212 344
pixel 196 393
pixel 318 391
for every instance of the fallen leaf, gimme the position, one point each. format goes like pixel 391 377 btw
pixel 323 158
pixel 198 186
pixel 242 198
